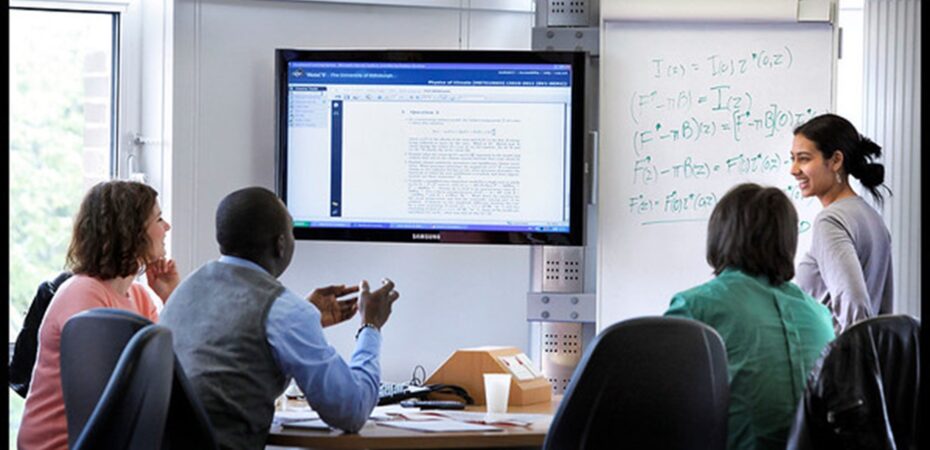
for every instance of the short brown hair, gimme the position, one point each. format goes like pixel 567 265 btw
pixel 754 229
pixel 109 238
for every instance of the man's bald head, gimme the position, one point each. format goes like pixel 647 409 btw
pixel 249 224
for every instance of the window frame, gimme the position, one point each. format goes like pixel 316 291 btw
pixel 126 107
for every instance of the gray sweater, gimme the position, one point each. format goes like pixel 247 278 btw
pixel 848 267
pixel 217 316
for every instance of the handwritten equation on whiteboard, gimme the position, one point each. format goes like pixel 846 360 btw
pixel 700 125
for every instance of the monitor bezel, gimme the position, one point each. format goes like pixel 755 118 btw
pixel 578 62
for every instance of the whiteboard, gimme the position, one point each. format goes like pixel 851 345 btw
pixel 688 110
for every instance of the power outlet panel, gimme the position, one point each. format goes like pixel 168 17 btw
pixel 562 13
pixel 562 269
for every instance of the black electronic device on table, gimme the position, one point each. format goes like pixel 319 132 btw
pixel 433 404
pixel 391 393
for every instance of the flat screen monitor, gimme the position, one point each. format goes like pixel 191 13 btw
pixel 432 146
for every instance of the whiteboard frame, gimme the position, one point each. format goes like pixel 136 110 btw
pixel 811 11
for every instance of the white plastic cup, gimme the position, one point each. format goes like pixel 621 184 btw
pixel 497 391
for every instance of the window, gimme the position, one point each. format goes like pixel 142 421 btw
pixel 849 71
pixel 850 68
pixel 61 134
pixel 64 66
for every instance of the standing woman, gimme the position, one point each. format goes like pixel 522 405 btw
pixel 118 232
pixel 848 267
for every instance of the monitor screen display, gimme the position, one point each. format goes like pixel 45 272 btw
pixel 432 146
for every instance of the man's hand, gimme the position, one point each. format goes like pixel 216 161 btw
pixel 376 306
pixel 333 310
pixel 162 276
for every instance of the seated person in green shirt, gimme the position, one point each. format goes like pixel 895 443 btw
pixel 773 331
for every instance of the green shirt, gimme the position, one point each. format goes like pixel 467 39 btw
pixel 773 336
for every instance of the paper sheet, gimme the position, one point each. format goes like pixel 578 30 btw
pixel 294 415
pixel 525 361
pixel 439 426
pixel 386 412
pixel 519 420
pixel 520 366
pixel 311 424
pixel 516 369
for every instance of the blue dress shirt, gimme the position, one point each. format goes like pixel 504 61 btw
pixel 343 394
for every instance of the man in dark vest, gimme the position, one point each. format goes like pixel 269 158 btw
pixel 241 336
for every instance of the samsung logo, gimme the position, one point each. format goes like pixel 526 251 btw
pixel 426 236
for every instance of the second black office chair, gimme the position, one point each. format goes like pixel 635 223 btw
pixel 863 393
pixel 650 382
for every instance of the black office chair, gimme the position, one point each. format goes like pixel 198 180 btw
pixel 650 382
pixel 863 391
pixel 92 343
pixel 23 360
pixel 133 407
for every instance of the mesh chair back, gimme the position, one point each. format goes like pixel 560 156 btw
pixel 650 382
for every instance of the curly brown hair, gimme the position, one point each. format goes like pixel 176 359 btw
pixel 109 239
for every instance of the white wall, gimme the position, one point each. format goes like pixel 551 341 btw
pixel 223 129
pixel 892 110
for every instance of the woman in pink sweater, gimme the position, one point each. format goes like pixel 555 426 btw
pixel 118 233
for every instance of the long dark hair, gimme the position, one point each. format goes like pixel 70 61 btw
pixel 830 132
pixel 754 229
pixel 109 239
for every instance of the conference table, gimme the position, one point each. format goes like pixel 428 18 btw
pixel 375 436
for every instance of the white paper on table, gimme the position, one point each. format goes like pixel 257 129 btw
pixel 294 415
pixel 520 420
pixel 439 426
pixel 513 419
pixel 414 415
pixel 386 412
pixel 311 424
